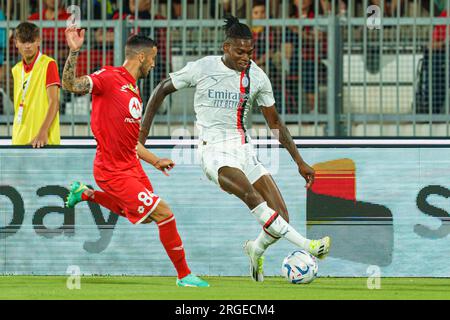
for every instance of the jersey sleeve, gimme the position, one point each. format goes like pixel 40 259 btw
pixel 52 77
pixel 265 97
pixel 186 77
pixel 34 16
pixel 99 81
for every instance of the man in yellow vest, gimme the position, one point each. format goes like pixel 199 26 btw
pixel 36 92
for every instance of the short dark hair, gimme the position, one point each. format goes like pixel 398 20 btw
pixel 136 43
pixel 236 30
pixel 26 32
pixel 257 3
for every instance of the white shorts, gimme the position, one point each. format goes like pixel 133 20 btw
pixel 241 156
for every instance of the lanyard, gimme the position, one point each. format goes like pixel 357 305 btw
pixel 25 89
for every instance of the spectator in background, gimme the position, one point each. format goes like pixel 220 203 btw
pixel 440 5
pixel 48 42
pixel 390 7
pixel 95 9
pixel 98 56
pixel 308 72
pixel 439 60
pixel 177 9
pixel 36 92
pixel 143 13
pixel 227 6
pixel 259 35
pixel 98 9
pixel 2 40
pixel 2 60
pixel 48 34
pixel 340 6
pixel 260 56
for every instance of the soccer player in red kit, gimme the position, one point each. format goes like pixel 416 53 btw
pixel 115 122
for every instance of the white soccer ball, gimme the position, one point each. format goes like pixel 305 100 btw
pixel 299 267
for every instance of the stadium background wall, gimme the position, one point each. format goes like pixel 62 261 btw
pixel 389 207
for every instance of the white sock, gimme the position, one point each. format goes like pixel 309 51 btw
pixel 262 242
pixel 277 226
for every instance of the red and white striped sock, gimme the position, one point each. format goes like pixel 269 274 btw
pixel 168 234
pixel 277 227
pixel 263 241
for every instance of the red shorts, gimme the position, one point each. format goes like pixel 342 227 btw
pixel 132 192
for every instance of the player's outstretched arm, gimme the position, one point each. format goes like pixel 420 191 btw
pixel 162 164
pixel 162 90
pixel 284 136
pixel 70 82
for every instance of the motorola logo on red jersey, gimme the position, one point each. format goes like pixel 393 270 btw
pixel 135 108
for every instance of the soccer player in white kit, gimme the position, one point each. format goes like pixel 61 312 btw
pixel 226 87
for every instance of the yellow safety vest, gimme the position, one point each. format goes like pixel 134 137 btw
pixel 35 107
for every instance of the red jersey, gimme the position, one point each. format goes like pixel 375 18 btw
pixel 52 77
pixel 48 34
pixel 439 30
pixel 115 120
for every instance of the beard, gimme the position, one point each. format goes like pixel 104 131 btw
pixel 143 73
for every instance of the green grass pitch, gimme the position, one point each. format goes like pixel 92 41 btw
pixel 233 288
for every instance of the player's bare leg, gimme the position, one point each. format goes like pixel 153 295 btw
pixel 268 189
pixel 170 238
pixel 235 182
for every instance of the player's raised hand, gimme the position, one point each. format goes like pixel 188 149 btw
pixel 307 173
pixel 75 38
pixel 164 164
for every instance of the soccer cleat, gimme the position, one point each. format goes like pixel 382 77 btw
pixel 192 281
pixel 320 248
pixel 76 190
pixel 256 263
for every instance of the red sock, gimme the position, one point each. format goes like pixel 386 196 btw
pixel 168 234
pixel 103 199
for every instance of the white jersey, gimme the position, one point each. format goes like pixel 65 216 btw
pixel 223 96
